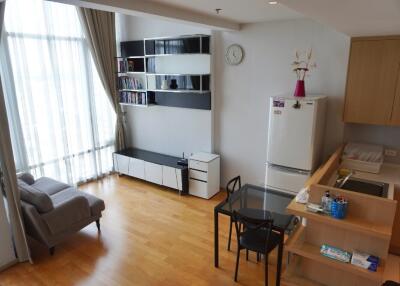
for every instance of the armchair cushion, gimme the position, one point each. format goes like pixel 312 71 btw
pixel 40 200
pixel 67 212
pixel 27 178
pixel 96 205
pixel 49 186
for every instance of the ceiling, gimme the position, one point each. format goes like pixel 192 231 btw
pixel 238 11
pixel 352 17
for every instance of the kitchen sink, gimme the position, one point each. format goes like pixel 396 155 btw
pixel 373 188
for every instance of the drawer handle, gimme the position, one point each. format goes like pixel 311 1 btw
pixel 198 170
pixel 198 180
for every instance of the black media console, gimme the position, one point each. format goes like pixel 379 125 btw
pixel 153 167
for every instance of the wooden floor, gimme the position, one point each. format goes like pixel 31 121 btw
pixel 150 236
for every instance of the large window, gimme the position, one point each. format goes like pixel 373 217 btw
pixel 62 123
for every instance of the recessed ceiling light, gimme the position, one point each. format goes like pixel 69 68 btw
pixel 273 2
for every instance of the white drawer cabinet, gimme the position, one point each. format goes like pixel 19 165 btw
pixel 198 188
pixel 153 173
pixel 199 175
pixel 198 165
pixel 204 175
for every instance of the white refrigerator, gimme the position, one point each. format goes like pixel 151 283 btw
pixel 295 134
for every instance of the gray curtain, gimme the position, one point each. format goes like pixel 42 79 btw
pixel 9 175
pixel 99 29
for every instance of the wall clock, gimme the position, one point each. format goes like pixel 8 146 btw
pixel 234 54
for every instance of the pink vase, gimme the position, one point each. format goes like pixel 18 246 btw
pixel 300 89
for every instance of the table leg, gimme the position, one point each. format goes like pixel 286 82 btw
pixel 280 256
pixel 216 246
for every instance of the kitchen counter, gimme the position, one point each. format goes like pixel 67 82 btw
pixel 389 173
pixel 368 227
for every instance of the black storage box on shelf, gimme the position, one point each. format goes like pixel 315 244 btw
pixel 132 49
pixel 182 99
pixel 135 64
pixel 184 82
pixel 185 45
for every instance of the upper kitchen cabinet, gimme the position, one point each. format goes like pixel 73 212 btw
pixel 373 81
pixel 395 120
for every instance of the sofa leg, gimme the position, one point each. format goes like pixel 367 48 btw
pixel 51 250
pixel 98 224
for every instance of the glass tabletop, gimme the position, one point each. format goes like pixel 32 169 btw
pixel 259 203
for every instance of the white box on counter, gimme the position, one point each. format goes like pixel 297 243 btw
pixel 365 260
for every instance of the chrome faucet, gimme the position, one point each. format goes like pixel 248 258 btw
pixel 340 182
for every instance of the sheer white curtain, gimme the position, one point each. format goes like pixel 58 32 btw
pixel 61 121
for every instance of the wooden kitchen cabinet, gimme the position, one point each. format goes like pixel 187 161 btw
pixel 395 240
pixel 373 88
pixel 395 120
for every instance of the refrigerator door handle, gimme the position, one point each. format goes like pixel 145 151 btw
pixel 289 170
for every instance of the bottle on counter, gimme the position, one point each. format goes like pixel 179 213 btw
pixel 326 202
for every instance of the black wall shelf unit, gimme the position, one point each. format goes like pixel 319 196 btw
pixel 176 177
pixel 188 90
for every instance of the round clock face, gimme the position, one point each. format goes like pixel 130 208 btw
pixel 234 54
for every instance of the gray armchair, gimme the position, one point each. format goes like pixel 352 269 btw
pixel 52 210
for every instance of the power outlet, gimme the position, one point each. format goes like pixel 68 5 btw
pixel 390 152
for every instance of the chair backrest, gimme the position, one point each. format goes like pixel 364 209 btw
pixel 252 225
pixel 390 283
pixel 233 185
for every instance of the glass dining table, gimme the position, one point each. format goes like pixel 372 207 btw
pixel 260 203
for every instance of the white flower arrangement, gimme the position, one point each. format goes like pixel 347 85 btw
pixel 303 63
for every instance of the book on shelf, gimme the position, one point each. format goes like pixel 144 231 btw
pixel 122 66
pixel 133 97
pixel 129 83
pixel 125 65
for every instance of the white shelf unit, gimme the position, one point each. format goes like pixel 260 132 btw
pixel 140 77
pixel 179 90
pixel 135 105
pixel 190 65
pixel 133 90
pixel 129 73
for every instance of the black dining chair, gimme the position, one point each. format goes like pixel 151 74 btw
pixel 257 236
pixel 231 187
pixel 390 283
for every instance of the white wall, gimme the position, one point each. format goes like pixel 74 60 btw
pixel 242 91
pixel 241 95
pixel 167 130
pixel 388 136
